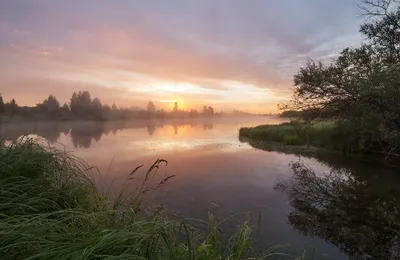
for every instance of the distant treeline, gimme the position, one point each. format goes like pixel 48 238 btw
pixel 83 107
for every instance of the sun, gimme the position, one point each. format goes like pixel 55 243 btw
pixel 179 102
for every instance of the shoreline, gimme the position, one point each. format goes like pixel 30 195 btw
pixel 311 151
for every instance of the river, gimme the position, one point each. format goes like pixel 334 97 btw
pixel 339 207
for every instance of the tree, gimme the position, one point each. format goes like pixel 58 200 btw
pixel 52 103
pixel 160 113
pixel 1 105
pixel 176 108
pixel 205 110
pixel 49 108
pixel 97 111
pixel 210 111
pixel 85 97
pixel 151 108
pixel 12 107
pixel 114 107
pixel 65 112
pixel 360 88
pixel 106 109
pixel 81 105
pixel 383 28
pixel 193 113
pixel 74 104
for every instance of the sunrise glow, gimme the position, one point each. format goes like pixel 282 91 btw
pixel 181 104
pixel 164 53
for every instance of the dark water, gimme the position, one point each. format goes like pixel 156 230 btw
pixel 340 207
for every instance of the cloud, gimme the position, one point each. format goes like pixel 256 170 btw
pixel 137 44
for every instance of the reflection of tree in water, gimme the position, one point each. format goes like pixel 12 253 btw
pixel 82 135
pixel 151 128
pixel 12 135
pixel 208 126
pixel 175 129
pixel 358 213
pixel 51 136
pixel 49 131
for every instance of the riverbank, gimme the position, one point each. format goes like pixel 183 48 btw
pixel 281 147
pixel 52 209
pixel 325 135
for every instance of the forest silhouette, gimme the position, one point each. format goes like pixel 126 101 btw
pixel 83 107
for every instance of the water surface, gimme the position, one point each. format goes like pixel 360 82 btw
pixel 347 209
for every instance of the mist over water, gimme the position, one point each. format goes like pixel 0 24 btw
pixel 216 172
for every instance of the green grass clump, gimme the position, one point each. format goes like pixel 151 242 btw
pixel 36 180
pixel 292 140
pixel 285 132
pixel 330 135
pixel 50 209
pixel 274 133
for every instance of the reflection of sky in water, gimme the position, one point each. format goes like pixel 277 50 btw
pixel 134 143
pixel 177 145
pixel 214 170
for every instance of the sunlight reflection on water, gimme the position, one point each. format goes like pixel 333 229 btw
pixel 211 165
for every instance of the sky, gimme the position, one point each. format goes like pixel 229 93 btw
pixel 230 54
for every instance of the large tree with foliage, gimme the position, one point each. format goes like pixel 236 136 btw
pixel 151 108
pixel 81 104
pixel 361 87
pixel 49 108
pixel 11 107
pixel 97 110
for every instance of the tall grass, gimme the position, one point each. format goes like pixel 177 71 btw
pixel 50 209
pixel 324 134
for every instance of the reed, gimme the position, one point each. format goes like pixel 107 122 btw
pixel 322 134
pixel 51 209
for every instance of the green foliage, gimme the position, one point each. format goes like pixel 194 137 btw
pixel 333 136
pixel 292 140
pixel 360 88
pixel 34 174
pixel 272 133
pixel 244 131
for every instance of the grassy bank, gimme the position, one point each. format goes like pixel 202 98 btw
pixel 323 134
pixel 50 209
